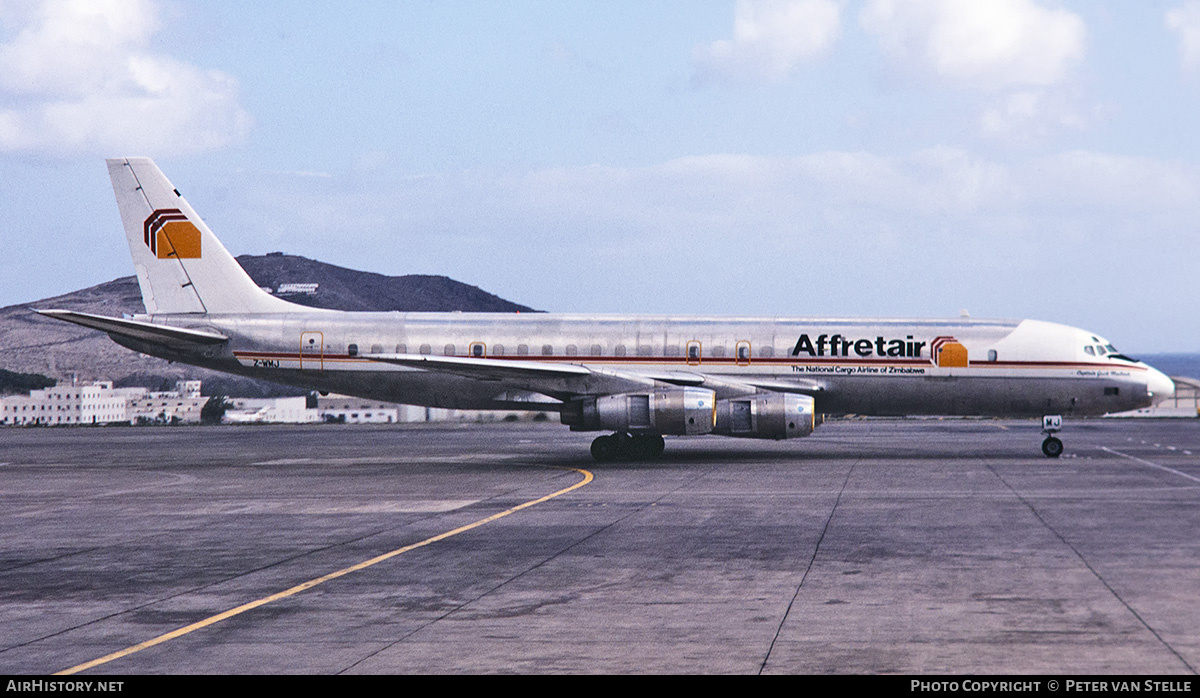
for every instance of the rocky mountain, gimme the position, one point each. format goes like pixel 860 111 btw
pixel 35 344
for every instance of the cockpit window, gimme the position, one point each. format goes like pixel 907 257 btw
pixel 1104 348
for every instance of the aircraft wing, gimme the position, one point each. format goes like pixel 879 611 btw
pixel 563 381
pixel 138 329
pixel 566 381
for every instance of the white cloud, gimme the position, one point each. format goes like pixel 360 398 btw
pixel 1030 115
pixel 1185 21
pixel 981 44
pixel 770 38
pixel 77 77
pixel 1085 237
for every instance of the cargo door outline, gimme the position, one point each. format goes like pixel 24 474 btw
pixel 312 350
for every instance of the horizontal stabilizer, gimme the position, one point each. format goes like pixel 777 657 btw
pixel 138 329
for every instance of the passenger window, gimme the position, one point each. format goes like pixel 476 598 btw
pixel 766 352
pixel 426 349
pixel 401 348
pixel 448 350
pixel 477 349
pixel 376 348
pixel 597 350
pixel 352 350
pixel 497 350
pixel 717 351
pixel 991 354
pixel 619 351
pixel 523 349
pixel 645 350
pixel 547 350
pixel 572 350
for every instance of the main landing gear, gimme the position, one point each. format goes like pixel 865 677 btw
pixel 627 447
pixel 1052 446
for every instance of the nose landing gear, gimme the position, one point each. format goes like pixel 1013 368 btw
pixel 1052 447
pixel 627 447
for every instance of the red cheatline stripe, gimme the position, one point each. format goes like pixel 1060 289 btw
pixel 784 361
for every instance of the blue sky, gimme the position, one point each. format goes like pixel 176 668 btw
pixel 1015 158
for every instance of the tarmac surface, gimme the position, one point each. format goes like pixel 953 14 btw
pixel 873 546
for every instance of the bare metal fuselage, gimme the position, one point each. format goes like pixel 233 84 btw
pixel 873 367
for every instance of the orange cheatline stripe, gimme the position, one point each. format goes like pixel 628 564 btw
pixel 587 477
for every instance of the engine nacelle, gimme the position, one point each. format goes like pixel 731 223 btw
pixel 682 411
pixel 767 416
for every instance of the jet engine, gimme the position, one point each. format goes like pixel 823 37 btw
pixel 681 411
pixel 767 416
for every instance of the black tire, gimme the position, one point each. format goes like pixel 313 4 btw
pixel 1052 447
pixel 605 449
pixel 655 445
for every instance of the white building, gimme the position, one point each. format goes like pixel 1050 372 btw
pixel 99 402
pixel 276 410
pixel 353 410
pixel 69 404
pixel 180 406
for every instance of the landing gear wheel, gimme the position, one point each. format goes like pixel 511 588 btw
pixel 655 445
pixel 624 447
pixel 644 447
pixel 606 448
pixel 1052 447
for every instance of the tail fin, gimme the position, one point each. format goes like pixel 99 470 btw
pixel 181 266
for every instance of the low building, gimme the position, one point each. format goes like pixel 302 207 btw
pixel 180 406
pixel 277 410
pixel 353 410
pixel 99 402
pixel 66 404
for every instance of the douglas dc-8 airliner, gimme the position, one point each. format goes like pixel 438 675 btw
pixel 639 377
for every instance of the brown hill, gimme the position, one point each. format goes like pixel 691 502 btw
pixel 35 344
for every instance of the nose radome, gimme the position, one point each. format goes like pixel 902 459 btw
pixel 1159 386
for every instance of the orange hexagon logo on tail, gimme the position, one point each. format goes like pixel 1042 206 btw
pixel 169 234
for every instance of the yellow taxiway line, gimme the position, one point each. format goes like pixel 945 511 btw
pixel 587 477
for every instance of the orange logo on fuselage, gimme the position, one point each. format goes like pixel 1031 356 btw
pixel 948 352
pixel 168 233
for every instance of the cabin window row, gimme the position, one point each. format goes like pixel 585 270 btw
pixel 693 350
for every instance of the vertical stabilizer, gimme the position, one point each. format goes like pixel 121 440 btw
pixel 181 266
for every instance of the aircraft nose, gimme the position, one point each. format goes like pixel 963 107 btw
pixel 1159 386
